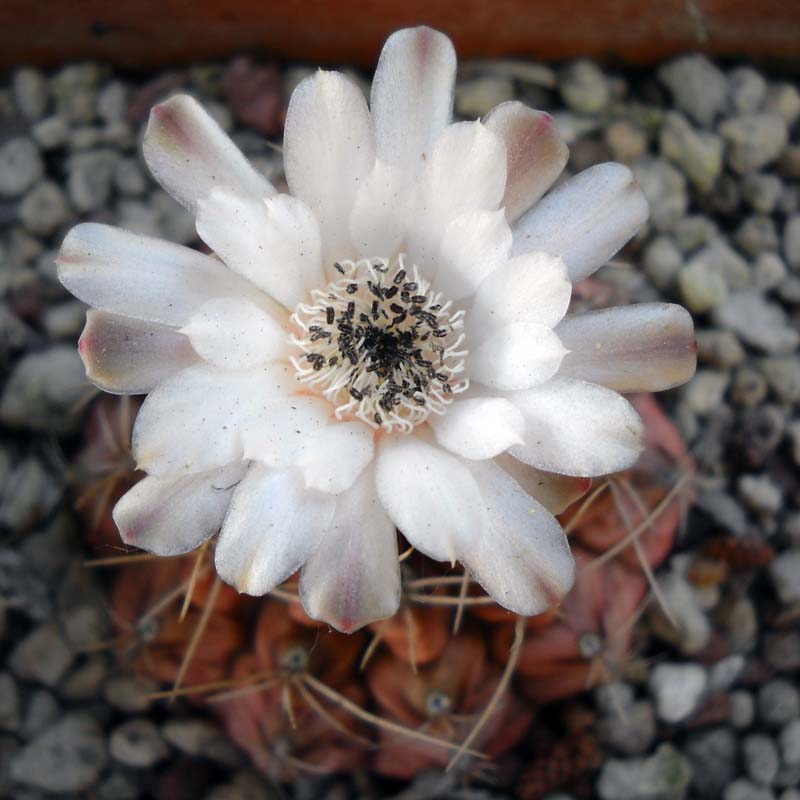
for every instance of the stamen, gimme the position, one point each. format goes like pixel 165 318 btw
pixel 380 346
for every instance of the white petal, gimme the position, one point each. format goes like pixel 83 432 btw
pixel 533 287
pixel 141 277
pixel 380 212
pixel 523 559
pixel 273 525
pixel 479 427
pixel 236 334
pixel 285 430
pixel 585 220
pixel 555 492
pixel 578 428
pixel 641 348
pixel 474 245
pixel 174 516
pixel 429 494
pixel 412 95
pixel 275 243
pixel 536 154
pixel 189 154
pixel 516 356
pixel 130 356
pixel 466 171
pixel 196 419
pixel 337 456
pixel 328 151
pixel 353 577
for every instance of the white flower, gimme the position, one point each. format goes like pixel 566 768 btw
pixel 385 346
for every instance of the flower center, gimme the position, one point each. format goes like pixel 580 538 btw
pixel 380 345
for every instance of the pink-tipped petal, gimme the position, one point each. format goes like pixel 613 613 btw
pixel 641 348
pixel 272 526
pixel 353 576
pixel 174 516
pixel 189 154
pixel 578 428
pixel 429 494
pixel 586 220
pixel 328 151
pixel 536 154
pixel 141 277
pixel 131 356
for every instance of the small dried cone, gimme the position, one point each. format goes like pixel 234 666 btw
pixel 739 552
pixel 588 642
pixel 664 460
pixel 443 699
pixel 104 470
pixel 258 722
pixel 158 642
pixel 283 646
pixel 561 764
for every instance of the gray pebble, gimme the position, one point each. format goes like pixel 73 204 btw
pixel 749 387
pixel 30 93
pixel 74 88
pixel 702 286
pixel 137 743
pixel 584 87
pixel 783 99
pixel 778 701
pixel 738 620
pixel 790 742
pixel 760 493
pixel 719 349
pixel 51 132
pixel 65 320
pixel 129 178
pixel 84 138
pixel 129 692
pixel 29 494
pixel 477 96
pixel 783 376
pixel 785 574
pixel 756 235
pixel 85 681
pixel 665 190
pixel 627 141
pixel 769 271
pixel 693 631
pixel 201 738
pixel 698 87
pixel 723 674
pixel 761 191
pixel 44 209
pixel 663 776
pixel 791 242
pixel 758 322
pixel 21 588
pixel 693 231
pixel 705 391
pixel 677 689
pixel 662 261
pixel 112 102
pixel 724 510
pixel 743 709
pixel 20 166
pixel 14 333
pixel 760 758
pixel 67 757
pixel 631 732
pixel 754 140
pixel 712 755
pixel 9 703
pixel 42 711
pixel 44 390
pixel 748 90
pixel 743 789
pixel 614 698
pixel 782 648
pixel 118 786
pixel 89 179
pixel 42 656
pixel 698 153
